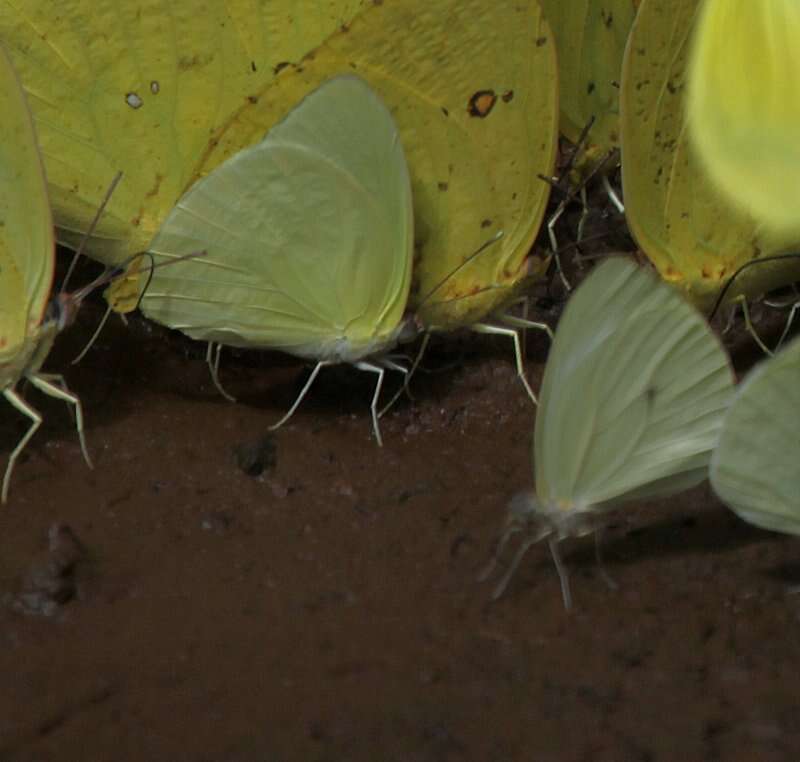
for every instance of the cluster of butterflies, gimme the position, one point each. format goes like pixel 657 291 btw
pixel 304 241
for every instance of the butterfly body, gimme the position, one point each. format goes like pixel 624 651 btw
pixel 560 520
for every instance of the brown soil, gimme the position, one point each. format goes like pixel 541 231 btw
pixel 327 609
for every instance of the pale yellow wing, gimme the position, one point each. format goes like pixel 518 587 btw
pixel 26 230
pixel 691 233
pixel 471 86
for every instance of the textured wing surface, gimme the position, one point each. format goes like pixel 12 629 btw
pixel 472 87
pixel 633 394
pixel 591 36
pixel 756 466
pixel 26 230
pixel 308 234
pixel 138 87
pixel 690 231
pixel 744 105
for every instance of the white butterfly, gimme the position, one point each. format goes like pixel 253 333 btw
pixel 632 401
pixel 755 468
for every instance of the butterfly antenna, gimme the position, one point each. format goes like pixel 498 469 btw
pixel 113 272
pixel 494 239
pixel 91 229
pixel 557 182
pixel 407 378
pixel 499 548
pixel 69 305
pixel 90 343
pixel 745 266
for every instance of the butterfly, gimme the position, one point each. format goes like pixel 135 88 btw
pixel 754 469
pixel 29 319
pixel 631 406
pixel 682 220
pixel 744 105
pixel 309 240
pixel 591 37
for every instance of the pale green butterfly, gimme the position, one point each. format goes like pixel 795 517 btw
pixel 309 240
pixel 755 468
pixel 631 406
pixel 29 319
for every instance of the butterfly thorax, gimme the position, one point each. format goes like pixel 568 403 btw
pixel 551 518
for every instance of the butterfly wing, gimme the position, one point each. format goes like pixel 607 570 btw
pixel 472 87
pixel 26 231
pixel 633 393
pixel 308 234
pixel 139 87
pixel 690 231
pixel 590 36
pixel 754 468
pixel 744 105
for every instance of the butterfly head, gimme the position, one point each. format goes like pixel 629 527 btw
pixel 409 329
pixel 62 309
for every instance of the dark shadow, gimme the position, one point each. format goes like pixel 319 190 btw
pixel 714 530
pixel 788 573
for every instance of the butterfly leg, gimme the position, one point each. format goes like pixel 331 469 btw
pixel 53 385
pixel 513 334
pixel 214 369
pixel 524 547
pixel 563 576
pixel 748 324
pixel 612 195
pixel 36 419
pixel 300 396
pixel 58 379
pixel 788 325
pixel 581 220
pixel 371 368
pixel 551 233
pixel 524 324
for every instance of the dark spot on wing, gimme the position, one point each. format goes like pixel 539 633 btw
pixel 481 103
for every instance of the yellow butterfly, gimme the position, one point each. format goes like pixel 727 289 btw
pixel 28 323
pixel 685 225
pixel 744 105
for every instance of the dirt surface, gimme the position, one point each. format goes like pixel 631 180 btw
pixel 176 604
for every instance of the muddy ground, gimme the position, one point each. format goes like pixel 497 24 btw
pixel 327 607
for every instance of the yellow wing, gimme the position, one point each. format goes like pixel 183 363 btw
pixel 472 88
pixel 691 233
pixel 138 87
pixel 744 105
pixel 26 230
pixel 590 38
